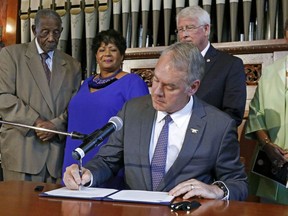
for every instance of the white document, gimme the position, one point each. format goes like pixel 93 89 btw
pixel 107 194
pixel 142 196
pixel 86 193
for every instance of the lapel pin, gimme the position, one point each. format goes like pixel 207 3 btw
pixel 208 60
pixel 194 131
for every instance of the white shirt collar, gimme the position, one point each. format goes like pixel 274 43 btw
pixel 40 50
pixel 179 116
pixel 204 51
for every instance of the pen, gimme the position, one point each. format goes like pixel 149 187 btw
pixel 80 173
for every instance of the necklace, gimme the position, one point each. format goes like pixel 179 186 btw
pixel 100 82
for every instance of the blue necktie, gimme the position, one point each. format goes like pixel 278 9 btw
pixel 158 162
pixel 45 56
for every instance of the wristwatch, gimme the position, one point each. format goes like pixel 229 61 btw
pixel 224 188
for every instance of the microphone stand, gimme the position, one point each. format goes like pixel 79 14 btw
pixel 73 135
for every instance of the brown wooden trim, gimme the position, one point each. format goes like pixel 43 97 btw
pixel 144 53
pixel 234 48
pixel 253 47
pixel 9 17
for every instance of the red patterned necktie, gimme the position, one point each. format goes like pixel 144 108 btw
pixel 158 162
pixel 45 56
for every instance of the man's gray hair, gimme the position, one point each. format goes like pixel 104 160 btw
pixel 186 56
pixel 46 13
pixel 195 12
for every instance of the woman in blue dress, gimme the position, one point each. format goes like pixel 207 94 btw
pixel 101 96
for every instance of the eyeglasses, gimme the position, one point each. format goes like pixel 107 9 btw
pixel 188 28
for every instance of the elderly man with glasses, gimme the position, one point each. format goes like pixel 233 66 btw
pixel 223 85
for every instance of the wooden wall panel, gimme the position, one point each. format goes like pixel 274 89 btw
pixel 3 6
pixel 9 21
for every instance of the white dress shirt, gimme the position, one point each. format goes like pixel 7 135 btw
pixel 177 130
pixel 49 61
pixel 204 51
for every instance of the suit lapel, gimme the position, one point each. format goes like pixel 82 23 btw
pixel 58 74
pixel 210 58
pixel 191 142
pixel 147 119
pixel 36 68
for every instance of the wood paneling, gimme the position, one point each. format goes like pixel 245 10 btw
pixel 9 21
pixel 3 6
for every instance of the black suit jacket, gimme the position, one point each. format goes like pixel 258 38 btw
pixel 224 85
pixel 210 150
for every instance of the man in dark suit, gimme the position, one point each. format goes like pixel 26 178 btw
pixel 28 97
pixel 202 156
pixel 223 85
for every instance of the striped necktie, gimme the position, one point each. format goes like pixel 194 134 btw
pixel 44 57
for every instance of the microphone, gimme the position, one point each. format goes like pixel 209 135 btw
pixel 115 123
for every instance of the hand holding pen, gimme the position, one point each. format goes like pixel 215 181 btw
pixel 72 178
